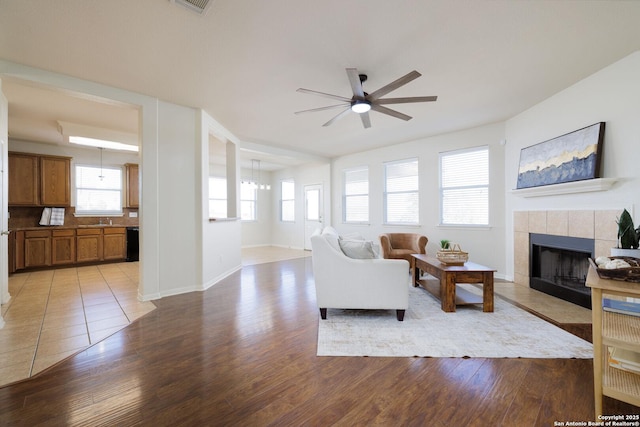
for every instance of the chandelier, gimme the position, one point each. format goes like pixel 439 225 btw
pixel 253 182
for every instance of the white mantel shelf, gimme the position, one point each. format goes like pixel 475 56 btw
pixel 586 186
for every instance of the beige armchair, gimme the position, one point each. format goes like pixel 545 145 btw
pixel 402 245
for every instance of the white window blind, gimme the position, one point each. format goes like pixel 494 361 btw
pixel 356 195
pixel 98 190
pixel 287 202
pixel 248 201
pixel 401 195
pixel 464 187
pixel 217 197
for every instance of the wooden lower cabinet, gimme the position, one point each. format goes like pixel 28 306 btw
pixel 63 247
pixel 114 243
pixel 89 245
pixel 37 248
pixel 68 246
pixel 12 252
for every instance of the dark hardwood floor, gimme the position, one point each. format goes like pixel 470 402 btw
pixel 243 353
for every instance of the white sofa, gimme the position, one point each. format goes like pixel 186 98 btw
pixel 344 282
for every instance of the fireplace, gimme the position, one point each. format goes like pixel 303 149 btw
pixel 559 266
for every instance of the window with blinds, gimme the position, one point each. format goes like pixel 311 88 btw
pixel 401 196
pixel 355 204
pixel 98 190
pixel 287 201
pixel 464 187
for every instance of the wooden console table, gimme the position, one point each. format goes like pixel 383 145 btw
pixel 449 275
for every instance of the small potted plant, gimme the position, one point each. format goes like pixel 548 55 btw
pixel 628 237
pixel 444 244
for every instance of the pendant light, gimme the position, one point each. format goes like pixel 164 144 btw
pixel 253 182
pixel 101 176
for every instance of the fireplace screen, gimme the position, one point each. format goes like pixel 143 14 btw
pixel 559 267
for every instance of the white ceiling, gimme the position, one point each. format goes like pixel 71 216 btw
pixel 243 61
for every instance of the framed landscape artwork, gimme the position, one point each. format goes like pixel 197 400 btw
pixel 571 157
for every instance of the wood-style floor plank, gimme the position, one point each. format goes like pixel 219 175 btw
pixel 244 353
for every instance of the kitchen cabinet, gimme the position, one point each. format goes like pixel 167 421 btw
pixel 19 250
pixel 66 246
pixel 55 181
pixel 114 243
pixel 37 248
pixel 88 244
pixel 63 247
pixel 23 180
pixel 12 252
pixel 133 185
pixel 38 180
pixel 617 330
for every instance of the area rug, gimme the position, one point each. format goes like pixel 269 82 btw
pixel 427 331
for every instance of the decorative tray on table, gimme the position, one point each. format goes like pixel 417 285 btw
pixel 617 268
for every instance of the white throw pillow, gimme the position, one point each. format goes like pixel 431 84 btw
pixel 353 236
pixel 357 249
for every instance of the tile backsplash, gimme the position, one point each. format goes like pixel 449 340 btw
pixel 24 217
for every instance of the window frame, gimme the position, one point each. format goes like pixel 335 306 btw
pixel 468 186
pixel 102 213
pixel 386 193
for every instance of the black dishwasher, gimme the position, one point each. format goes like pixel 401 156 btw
pixel 132 244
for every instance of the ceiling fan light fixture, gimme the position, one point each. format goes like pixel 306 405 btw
pixel 360 106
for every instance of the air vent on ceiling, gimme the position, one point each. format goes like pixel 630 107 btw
pixel 199 6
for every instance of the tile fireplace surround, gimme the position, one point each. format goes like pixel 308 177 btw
pixel 598 225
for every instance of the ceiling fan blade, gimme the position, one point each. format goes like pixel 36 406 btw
pixel 394 85
pixel 406 100
pixel 321 108
pixel 326 95
pixel 356 85
pixel 390 112
pixel 366 121
pixel 338 116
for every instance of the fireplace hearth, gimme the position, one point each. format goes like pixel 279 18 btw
pixel 559 266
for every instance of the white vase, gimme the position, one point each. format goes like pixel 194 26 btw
pixel 635 253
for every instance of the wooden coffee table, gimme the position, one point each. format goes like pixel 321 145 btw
pixel 449 294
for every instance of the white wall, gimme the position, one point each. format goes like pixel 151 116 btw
pixel 485 245
pixel 177 199
pixel 611 95
pixel 218 241
pixel 292 234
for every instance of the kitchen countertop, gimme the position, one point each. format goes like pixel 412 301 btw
pixel 70 227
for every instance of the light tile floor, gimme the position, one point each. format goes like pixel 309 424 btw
pixel 53 314
pixel 554 308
